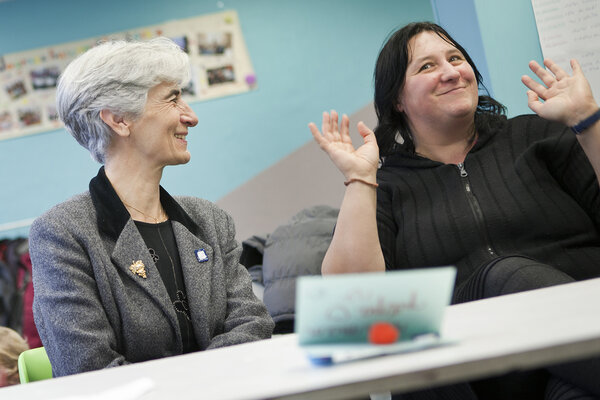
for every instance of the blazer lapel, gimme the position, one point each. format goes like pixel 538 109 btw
pixel 197 275
pixel 129 249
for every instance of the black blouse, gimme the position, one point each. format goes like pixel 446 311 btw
pixel 162 246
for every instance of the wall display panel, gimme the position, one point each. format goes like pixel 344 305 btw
pixel 571 29
pixel 219 59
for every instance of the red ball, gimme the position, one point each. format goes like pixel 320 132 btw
pixel 383 333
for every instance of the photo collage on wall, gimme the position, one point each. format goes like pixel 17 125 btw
pixel 218 55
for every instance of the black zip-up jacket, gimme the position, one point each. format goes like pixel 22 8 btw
pixel 526 188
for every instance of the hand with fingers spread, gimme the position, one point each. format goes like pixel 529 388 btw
pixel 562 97
pixel 335 140
pixel 355 244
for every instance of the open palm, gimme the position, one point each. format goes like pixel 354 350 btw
pixel 353 163
pixel 561 97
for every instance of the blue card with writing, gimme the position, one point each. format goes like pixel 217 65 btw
pixel 340 309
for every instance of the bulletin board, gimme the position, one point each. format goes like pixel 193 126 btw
pixel 219 59
pixel 571 29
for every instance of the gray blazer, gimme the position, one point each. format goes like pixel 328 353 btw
pixel 92 312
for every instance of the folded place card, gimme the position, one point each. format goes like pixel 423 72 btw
pixel 334 314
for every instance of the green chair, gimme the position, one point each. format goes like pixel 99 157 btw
pixel 34 365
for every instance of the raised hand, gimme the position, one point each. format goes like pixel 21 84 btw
pixel 561 97
pixel 353 163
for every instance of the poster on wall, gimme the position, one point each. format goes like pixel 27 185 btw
pixel 219 61
pixel 571 29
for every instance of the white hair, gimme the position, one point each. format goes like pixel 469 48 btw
pixel 115 76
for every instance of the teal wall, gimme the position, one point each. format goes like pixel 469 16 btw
pixel 308 55
pixel 510 41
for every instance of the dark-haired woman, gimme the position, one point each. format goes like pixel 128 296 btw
pixel 512 203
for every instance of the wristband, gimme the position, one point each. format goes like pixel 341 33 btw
pixel 586 123
pixel 361 181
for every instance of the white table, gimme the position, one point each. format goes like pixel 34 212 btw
pixel 520 331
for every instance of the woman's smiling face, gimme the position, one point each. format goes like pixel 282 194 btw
pixel 439 84
pixel 162 129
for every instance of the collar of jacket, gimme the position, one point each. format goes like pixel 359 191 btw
pixel 112 214
pixel 405 159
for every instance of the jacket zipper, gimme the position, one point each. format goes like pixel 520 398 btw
pixel 476 209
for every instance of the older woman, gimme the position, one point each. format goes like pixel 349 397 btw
pixel 514 204
pixel 125 272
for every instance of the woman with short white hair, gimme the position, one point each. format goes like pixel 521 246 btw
pixel 124 272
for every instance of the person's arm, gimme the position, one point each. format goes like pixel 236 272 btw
pixel 567 99
pixel 247 318
pixel 68 312
pixel 355 245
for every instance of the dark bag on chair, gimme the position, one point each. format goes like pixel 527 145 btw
pixel 14 278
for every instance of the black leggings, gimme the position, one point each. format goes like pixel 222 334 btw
pixel 508 275
pixel 572 381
